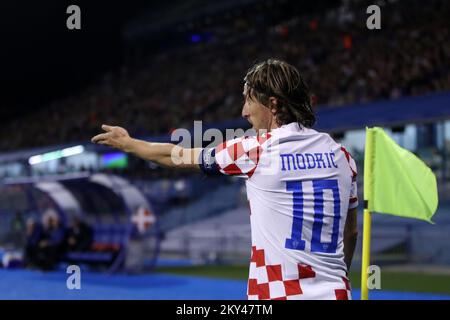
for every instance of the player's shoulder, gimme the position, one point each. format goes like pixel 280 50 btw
pixel 244 143
pixel 294 132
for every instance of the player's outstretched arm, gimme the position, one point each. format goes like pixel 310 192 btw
pixel 350 236
pixel 165 154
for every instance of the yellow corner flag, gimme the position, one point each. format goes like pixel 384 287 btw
pixel 395 182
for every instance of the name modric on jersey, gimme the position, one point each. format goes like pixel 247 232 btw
pixel 307 161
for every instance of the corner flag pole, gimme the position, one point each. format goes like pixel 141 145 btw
pixel 368 158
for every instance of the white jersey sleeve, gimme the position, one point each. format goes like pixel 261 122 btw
pixel 353 201
pixel 237 157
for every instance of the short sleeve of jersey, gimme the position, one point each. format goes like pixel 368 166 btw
pixel 353 202
pixel 237 157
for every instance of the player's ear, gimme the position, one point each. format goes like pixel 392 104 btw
pixel 273 105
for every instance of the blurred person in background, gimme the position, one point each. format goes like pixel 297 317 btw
pixel 17 229
pixel 50 244
pixel 33 235
pixel 79 235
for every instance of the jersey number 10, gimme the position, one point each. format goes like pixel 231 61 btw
pixel 296 242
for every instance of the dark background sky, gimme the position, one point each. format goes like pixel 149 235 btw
pixel 40 59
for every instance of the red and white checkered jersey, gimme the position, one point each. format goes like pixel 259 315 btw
pixel 300 186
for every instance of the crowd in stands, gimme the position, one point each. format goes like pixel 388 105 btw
pixel 342 61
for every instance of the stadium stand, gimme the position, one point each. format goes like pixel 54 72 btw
pixel 339 62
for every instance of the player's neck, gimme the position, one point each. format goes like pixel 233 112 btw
pixel 273 124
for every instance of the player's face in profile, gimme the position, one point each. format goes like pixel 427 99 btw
pixel 257 114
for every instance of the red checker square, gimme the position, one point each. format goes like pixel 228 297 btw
pixel 251 172
pixel 292 287
pixel 280 298
pixel 252 287
pixel 274 272
pixel 341 294
pixel 263 291
pixel 236 151
pixel 259 258
pixel 263 138
pixel 305 271
pixel 347 283
pixel 254 154
pixel 232 169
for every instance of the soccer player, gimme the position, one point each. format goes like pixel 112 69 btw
pixel 301 187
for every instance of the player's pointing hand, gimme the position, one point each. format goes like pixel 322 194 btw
pixel 115 137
